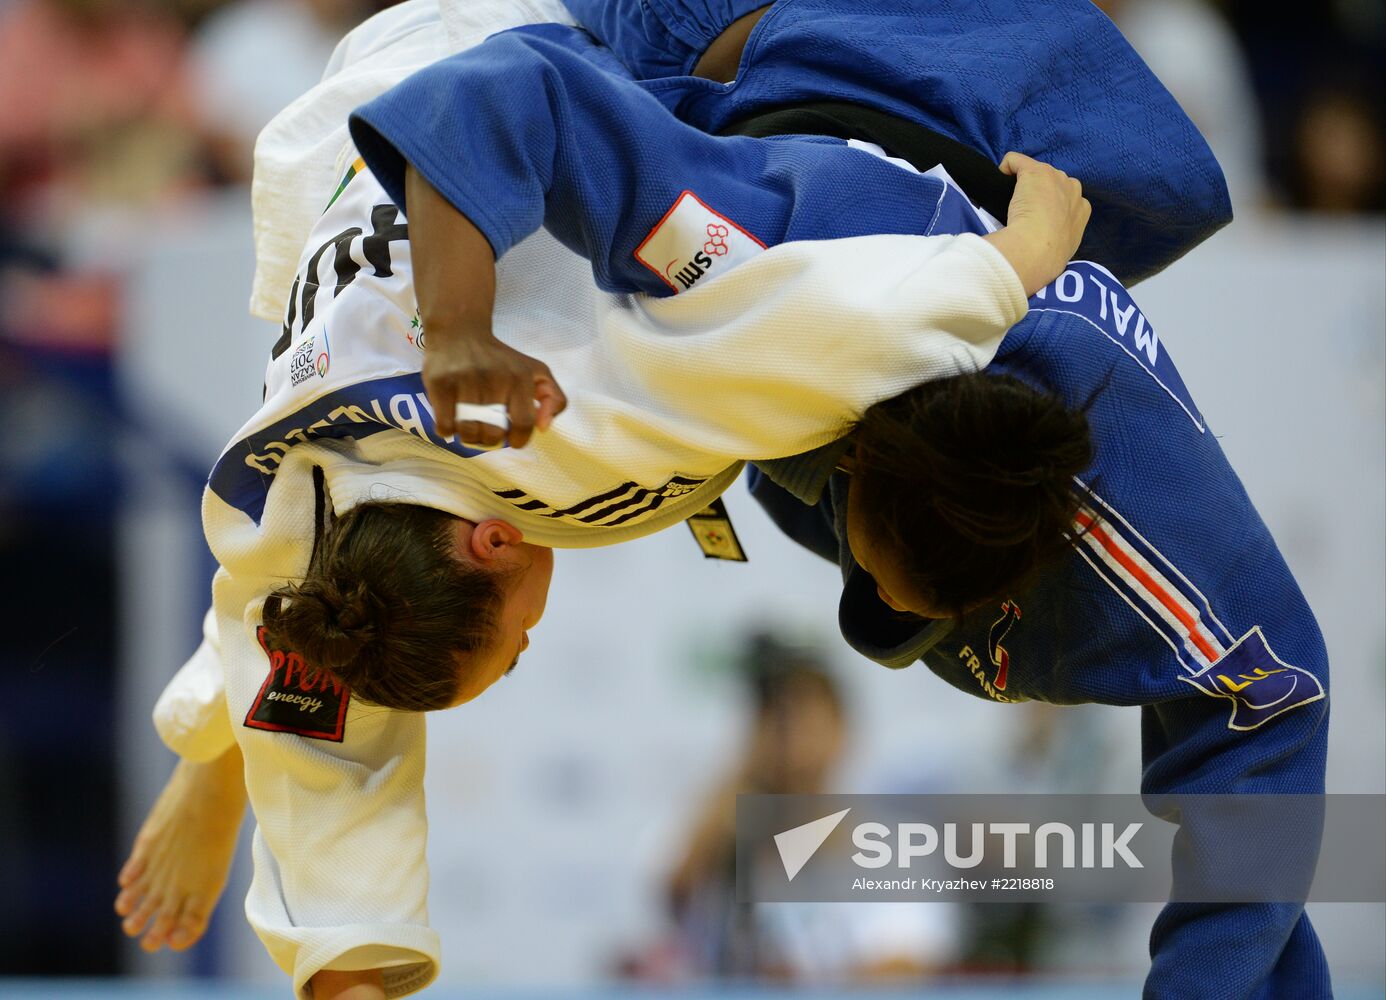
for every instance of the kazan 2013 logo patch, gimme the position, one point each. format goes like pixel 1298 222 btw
pixel 693 241
pixel 298 698
pixel 307 361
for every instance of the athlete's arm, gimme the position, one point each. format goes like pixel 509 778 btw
pixel 455 287
pixel 528 129
pixel 341 878
pixel 340 869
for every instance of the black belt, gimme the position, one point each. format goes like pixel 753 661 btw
pixel 920 146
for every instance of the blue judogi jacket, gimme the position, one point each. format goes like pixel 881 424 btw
pixel 1174 598
pixel 1053 79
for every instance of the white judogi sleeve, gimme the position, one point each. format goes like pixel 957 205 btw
pixel 190 716
pixel 336 786
pixel 301 154
pixel 786 351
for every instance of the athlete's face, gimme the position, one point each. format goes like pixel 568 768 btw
pixel 528 569
pixel 884 566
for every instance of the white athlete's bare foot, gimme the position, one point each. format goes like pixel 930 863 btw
pixel 182 854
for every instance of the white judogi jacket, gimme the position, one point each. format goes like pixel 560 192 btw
pixel 305 150
pixel 666 398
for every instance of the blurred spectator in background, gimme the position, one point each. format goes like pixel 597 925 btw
pixel 1339 164
pixel 103 134
pixel 57 658
pixel 797 736
pixel 1286 95
pixel 1057 750
pixel 95 125
pixel 1317 72
pixel 252 58
pixel 97 131
pixel 96 108
pixel 797 732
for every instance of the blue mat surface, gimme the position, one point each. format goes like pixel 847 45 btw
pixel 201 989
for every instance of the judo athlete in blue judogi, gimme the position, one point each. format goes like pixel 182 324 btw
pixel 1053 79
pixel 1170 593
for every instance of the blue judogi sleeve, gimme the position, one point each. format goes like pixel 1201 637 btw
pixel 537 126
pixel 1053 79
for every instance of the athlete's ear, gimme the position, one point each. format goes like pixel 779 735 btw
pixel 494 539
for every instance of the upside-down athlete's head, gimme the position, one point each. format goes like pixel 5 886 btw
pixel 412 607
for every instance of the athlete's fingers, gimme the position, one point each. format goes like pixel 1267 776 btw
pixel 191 925
pixel 521 414
pixel 131 870
pixel 442 393
pixel 482 424
pixel 1014 163
pixel 551 399
pixel 477 433
pixel 1018 165
pixel 477 425
pixel 125 902
pixel 134 923
pixel 158 931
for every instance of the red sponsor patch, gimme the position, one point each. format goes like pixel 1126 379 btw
pixel 298 697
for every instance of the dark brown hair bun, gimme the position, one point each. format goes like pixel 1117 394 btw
pixel 388 607
pixel 330 627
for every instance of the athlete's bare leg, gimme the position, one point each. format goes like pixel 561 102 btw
pixel 182 855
